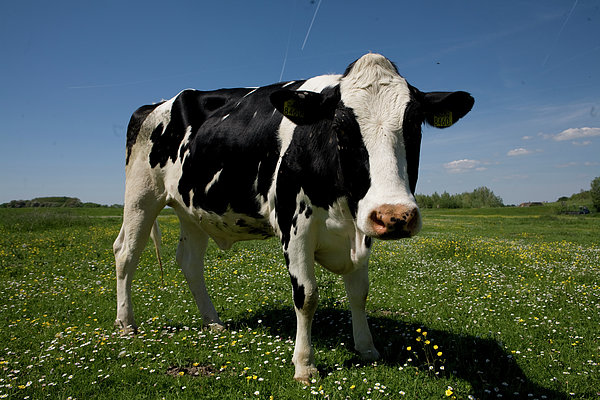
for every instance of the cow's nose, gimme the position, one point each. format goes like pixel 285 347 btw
pixel 395 221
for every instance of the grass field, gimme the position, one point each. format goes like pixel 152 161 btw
pixel 492 303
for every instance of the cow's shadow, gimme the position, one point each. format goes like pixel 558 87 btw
pixel 491 371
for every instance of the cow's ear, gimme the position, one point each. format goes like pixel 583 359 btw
pixel 444 109
pixel 301 107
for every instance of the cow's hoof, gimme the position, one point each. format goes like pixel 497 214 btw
pixel 216 327
pixel 370 355
pixel 304 374
pixel 126 330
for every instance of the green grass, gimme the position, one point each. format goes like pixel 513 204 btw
pixel 510 297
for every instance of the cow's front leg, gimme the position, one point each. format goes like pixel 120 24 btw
pixel 357 289
pixel 304 287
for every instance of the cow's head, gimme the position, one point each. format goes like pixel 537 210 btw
pixel 376 117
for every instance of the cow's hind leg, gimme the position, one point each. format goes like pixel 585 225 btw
pixel 357 289
pixel 128 247
pixel 190 257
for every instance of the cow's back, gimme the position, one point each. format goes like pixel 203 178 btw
pixel 210 155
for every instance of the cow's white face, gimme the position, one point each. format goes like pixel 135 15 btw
pixel 379 97
pixel 373 117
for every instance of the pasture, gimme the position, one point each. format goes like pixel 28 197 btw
pixel 492 303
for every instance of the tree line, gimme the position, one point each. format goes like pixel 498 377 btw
pixel 478 198
pixel 62 201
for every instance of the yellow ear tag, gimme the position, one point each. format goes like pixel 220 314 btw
pixel 443 120
pixel 290 110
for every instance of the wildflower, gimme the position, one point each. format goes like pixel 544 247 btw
pixel 449 391
pixel 408 348
pixel 439 353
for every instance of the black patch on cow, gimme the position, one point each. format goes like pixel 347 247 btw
pixel 135 124
pixel 286 257
pixel 184 114
pixel 235 132
pixel 301 207
pixel 308 212
pixel 298 291
pixel 368 241
pixel 253 230
pixel 327 160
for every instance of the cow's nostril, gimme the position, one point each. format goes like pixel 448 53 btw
pixel 378 223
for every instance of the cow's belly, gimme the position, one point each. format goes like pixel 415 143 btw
pixel 233 227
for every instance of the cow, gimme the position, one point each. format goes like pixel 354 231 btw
pixel 326 164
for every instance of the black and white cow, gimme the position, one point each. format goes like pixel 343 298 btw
pixel 339 170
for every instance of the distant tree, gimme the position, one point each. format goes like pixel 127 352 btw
pixel 583 195
pixel 595 191
pixel 484 197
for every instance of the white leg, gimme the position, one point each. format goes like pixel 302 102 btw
pixel 128 248
pixel 357 289
pixel 306 298
pixel 190 257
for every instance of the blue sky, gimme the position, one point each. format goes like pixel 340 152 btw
pixel 73 72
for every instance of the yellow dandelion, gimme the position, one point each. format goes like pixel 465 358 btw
pixel 449 392
pixel 409 348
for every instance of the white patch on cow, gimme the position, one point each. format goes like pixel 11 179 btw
pixel 341 247
pixel 185 142
pixel 255 183
pixel 250 92
pixel 214 180
pixel 379 96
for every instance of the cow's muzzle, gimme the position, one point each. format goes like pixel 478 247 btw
pixel 395 221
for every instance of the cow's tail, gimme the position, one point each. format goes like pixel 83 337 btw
pixel 155 235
